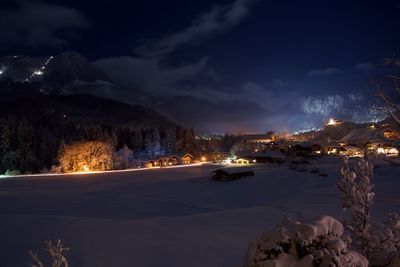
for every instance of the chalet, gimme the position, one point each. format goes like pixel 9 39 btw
pixel 354 151
pixel 173 160
pixel 317 149
pixel 301 150
pixel 159 162
pixel 333 148
pixel 166 161
pixel 217 157
pixel 272 156
pixel 242 161
pixel 388 150
pixel 187 159
pixel 259 138
pixel 391 134
pixel 361 136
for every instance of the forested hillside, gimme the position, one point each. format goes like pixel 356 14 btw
pixel 32 129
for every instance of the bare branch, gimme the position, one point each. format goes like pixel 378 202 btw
pixel 35 257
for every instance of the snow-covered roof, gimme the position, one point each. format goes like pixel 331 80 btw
pixel 363 135
pixel 271 153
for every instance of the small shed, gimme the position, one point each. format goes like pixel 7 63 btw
pixel 230 174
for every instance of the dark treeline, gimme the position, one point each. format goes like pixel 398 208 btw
pixel 32 130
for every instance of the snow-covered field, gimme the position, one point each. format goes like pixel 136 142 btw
pixel 167 217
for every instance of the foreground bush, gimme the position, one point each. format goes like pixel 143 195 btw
pixel 323 243
pixel 297 244
pixel 379 242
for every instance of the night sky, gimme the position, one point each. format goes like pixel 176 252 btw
pixel 237 66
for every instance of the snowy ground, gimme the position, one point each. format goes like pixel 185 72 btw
pixel 167 217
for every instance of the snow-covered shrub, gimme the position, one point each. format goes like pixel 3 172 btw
pixel 297 244
pixel 11 172
pixel 56 254
pixel 356 188
pixel 379 242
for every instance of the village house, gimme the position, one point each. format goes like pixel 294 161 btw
pixel 241 161
pixel 166 161
pixel 391 134
pixel 354 151
pixel 317 150
pixel 187 159
pixel 387 150
pixel 218 157
pixel 272 156
pixel 259 138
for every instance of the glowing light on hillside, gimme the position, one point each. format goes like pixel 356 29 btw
pixel 332 122
pixel 38 72
pixel 203 159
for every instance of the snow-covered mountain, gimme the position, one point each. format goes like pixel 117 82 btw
pixel 65 73
pixel 351 107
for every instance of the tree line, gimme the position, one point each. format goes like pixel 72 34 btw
pixel 32 140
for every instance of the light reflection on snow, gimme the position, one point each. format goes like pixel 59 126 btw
pixel 98 172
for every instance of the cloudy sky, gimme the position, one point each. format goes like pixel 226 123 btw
pixel 227 65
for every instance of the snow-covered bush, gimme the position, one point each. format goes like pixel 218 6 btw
pixel 297 244
pixel 11 172
pixel 323 243
pixel 379 242
pixel 86 156
pixel 56 254
pixel 356 189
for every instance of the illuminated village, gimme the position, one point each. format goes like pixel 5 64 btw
pixel 75 162
pixel 211 133
pixel 371 140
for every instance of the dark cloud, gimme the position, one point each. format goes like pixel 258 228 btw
pixel 196 94
pixel 367 66
pixel 151 75
pixel 219 19
pixel 196 86
pixel 221 116
pixel 36 24
pixel 323 72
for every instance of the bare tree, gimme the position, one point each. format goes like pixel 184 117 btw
pixel 86 156
pixel 390 106
pixel 56 253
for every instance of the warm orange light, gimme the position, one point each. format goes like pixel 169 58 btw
pixel 332 121
pixel 85 168
pixel 203 159
pixel 380 150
